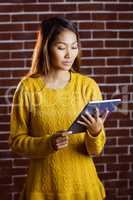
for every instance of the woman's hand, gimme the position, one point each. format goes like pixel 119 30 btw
pixel 94 123
pixel 60 139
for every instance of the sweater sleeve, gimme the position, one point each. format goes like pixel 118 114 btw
pixel 95 145
pixel 20 139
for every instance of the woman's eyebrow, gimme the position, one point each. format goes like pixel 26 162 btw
pixel 65 42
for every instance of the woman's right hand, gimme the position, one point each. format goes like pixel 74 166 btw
pixel 59 140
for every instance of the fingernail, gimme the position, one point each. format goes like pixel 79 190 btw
pixel 69 132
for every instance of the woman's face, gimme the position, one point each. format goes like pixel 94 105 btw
pixel 64 50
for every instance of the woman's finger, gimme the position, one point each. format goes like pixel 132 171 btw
pixel 65 133
pixel 104 116
pixel 81 122
pixel 91 119
pixel 97 113
pixel 61 139
pixel 86 119
pixel 60 146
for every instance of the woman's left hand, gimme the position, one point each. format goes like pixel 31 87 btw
pixel 94 123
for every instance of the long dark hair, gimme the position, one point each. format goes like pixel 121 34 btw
pixel 48 31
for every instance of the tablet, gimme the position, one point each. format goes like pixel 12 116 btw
pixel 102 105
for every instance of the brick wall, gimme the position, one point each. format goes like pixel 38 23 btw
pixel 106 31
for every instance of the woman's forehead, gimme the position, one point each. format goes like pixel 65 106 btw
pixel 66 37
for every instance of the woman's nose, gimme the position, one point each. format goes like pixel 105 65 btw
pixel 68 54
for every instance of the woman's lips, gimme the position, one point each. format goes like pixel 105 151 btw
pixel 67 63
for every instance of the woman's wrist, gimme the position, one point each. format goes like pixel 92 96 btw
pixel 95 134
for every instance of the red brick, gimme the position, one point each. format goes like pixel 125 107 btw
pixel 31 26
pixel 24 18
pixel 93 62
pixel 125 16
pixel 112 123
pixel 119 115
pixel 99 79
pixel 104 16
pixel 105 52
pixel 126 34
pixel 50 1
pixel 15 63
pixel 5 36
pixel 20 162
pixel 126 192
pixel 128 123
pixel 125 52
pixel 116 150
pixel 127 174
pixel 36 7
pixel 4 55
pixel 44 16
pixel 117 43
pixel 13 8
pixel 4 18
pixel 84 34
pixel 118 167
pixel 22 54
pixel 116 184
pixel 92 44
pixel 107 88
pixel 4 118
pixel 18 73
pixel 23 36
pixel 118 7
pixel 5 179
pixel 105 159
pixel 110 141
pixel 104 34
pixel 3 110
pixel 108 175
pixel 29 45
pixel 91 25
pixel 105 70
pixel 125 141
pixel 11 46
pixel 86 70
pixel 61 7
pixel 77 16
pixel 99 167
pixel 5 74
pixel 90 7
pixel 18 182
pixel 118 79
pixel 119 61
pixel 11 27
pixel 119 25
pixel 86 53
pixel 121 132
pixel 125 158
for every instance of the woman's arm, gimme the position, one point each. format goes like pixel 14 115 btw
pixel 95 144
pixel 20 140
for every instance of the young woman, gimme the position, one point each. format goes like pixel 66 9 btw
pixel 45 104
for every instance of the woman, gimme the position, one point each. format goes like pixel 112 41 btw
pixel 45 104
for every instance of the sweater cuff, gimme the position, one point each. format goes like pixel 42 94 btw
pixel 94 138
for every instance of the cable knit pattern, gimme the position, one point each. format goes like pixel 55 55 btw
pixel 37 113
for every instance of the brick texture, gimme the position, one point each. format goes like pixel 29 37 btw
pixel 106 33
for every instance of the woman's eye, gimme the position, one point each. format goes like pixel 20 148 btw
pixel 74 47
pixel 61 48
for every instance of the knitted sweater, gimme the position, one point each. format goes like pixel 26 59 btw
pixel 37 113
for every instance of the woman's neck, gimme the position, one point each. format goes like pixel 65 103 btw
pixel 57 78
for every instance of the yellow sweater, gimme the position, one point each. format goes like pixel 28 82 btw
pixel 37 113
